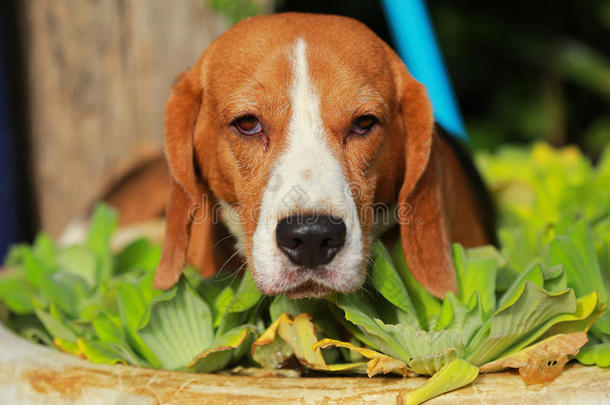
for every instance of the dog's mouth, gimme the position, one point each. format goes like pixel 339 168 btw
pixel 309 289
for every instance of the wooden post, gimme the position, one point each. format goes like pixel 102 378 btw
pixel 98 74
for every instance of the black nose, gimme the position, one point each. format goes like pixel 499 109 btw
pixel 310 241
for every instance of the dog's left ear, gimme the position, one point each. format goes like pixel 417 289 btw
pixel 186 191
pixel 423 224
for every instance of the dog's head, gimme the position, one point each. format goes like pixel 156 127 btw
pixel 311 131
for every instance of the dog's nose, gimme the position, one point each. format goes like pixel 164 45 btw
pixel 310 241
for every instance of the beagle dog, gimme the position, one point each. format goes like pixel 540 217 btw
pixel 299 139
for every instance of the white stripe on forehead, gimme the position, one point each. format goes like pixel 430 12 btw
pixel 307 178
pixel 306 118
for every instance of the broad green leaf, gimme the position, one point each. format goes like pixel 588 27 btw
pixel 533 275
pixel 429 364
pixel 387 281
pixel 111 333
pixel 36 335
pixel 426 305
pixel 361 314
pixel 576 252
pixel 555 278
pixel 595 354
pixel 528 315
pixel 138 255
pixel 425 352
pixel 56 327
pixel 106 353
pixel 34 268
pixel 521 245
pixel 246 296
pixel 451 376
pixel 476 275
pixel 133 301
pixel 587 312
pixel 293 307
pixel 16 292
pixel 221 305
pixel 222 350
pixel 80 261
pixel 65 289
pixel 466 319
pixel 178 327
pixel 103 223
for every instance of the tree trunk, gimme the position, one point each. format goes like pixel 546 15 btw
pixel 99 73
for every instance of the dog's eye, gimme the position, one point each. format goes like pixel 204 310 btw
pixel 363 124
pixel 248 125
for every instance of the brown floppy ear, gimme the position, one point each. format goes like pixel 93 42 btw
pixel 423 222
pixel 186 191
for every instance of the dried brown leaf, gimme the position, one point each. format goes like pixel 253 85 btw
pixel 542 362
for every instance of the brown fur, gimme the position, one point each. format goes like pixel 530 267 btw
pixel 247 71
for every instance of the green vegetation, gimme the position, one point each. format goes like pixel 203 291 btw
pixel 534 299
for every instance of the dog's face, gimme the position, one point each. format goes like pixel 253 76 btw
pixel 300 127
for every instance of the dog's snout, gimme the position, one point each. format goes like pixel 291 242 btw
pixel 310 241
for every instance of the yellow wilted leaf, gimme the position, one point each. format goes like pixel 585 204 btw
pixel 542 362
pixel 378 362
pixel 67 346
pixel 287 336
pixel 301 337
pixel 269 351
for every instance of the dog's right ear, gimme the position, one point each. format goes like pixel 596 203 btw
pixel 186 189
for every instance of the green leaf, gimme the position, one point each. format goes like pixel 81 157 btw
pixel 387 281
pixel 105 353
pixel 576 252
pixel 179 326
pixel 555 278
pixel 110 332
pixel 245 298
pixel 521 245
pixel 476 275
pixel 56 327
pixel 430 363
pixel 595 354
pixel 361 313
pixel 79 261
pixel 138 255
pixel 16 292
pixel 533 275
pixel 103 224
pixel 425 352
pixel 587 312
pixel 293 307
pixel 66 290
pixel 222 350
pixel 466 319
pixel 221 305
pixel 426 305
pixel 133 302
pixel 518 322
pixel 451 376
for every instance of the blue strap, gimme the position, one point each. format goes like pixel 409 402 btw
pixel 416 44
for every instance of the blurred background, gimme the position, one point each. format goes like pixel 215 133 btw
pixel 83 83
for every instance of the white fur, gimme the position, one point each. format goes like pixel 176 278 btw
pixel 312 180
pixel 230 218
